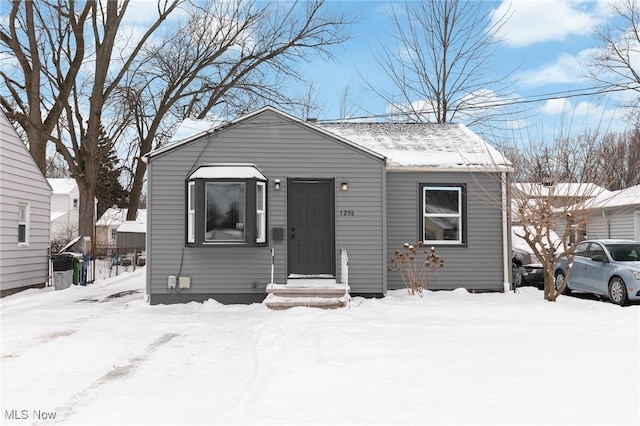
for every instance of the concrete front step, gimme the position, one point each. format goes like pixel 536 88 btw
pixel 313 293
pixel 279 302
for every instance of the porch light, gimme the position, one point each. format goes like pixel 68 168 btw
pixel 276 184
pixel 344 186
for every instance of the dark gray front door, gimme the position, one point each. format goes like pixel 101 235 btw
pixel 310 227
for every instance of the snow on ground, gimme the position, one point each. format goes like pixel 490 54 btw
pixel 89 357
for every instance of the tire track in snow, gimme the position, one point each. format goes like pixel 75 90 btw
pixel 120 299
pixel 117 372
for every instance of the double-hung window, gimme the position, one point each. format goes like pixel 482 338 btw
pixel 23 225
pixel 442 218
pixel 226 204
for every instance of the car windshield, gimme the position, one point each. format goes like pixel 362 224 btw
pixel 625 252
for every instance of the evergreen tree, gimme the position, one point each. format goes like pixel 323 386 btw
pixel 109 190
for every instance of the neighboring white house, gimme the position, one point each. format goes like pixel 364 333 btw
pixel 108 224
pixel 65 203
pixel 559 194
pixel 24 215
pixel 65 208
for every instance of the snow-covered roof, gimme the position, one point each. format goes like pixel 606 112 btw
pixel 421 145
pixel 115 216
pixel 132 226
pixel 57 215
pixel 191 127
pixel 561 189
pixel 62 185
pixel 518 241
pixel 623 197
pixel 409 145
pixel 227 171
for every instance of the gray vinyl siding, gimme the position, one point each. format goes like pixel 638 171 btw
pixel 617 223
pixel 478 265
pixel 22 182
pixel 281 149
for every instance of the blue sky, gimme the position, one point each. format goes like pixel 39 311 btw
pixel 544 42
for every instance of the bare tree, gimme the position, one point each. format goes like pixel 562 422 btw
pixel 42 77
pixel 69 68
pixel 622 151
pixel 441 67
pixel 226 59
pixel 564 178
pixel 56 167
pixel 616 64
pixel 74 63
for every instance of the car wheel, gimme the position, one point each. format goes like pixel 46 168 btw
pixel 618 291
pixel 559 282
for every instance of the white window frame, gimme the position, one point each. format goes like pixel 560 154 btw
pixel 191 212
pixel 23 220
pixel 459 215
pixel 261 214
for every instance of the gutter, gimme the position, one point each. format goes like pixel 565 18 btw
pixel 395 167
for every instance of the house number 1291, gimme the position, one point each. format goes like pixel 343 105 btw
pixel 347 213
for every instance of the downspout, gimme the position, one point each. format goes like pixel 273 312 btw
pixel 147 159
pixel 384 227
pixel 505 236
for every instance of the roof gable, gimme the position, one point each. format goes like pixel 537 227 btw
pixel 259 112
pixel 15 140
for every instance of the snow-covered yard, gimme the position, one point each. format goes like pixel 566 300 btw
pixel 89 357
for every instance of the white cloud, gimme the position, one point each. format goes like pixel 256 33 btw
pixel 556 106
pixel 537 21
pixel 584 115
pixel 567 68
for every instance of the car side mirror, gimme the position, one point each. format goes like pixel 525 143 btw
pixel 599 258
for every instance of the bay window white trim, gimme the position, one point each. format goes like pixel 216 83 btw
pixel 261 212
pixel 191 212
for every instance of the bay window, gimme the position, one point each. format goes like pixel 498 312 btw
pixel 226 205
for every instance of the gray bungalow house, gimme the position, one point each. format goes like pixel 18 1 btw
pixel 24 215
pixel 270 202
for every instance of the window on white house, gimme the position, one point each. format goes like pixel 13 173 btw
pixel 442 216
pixel 75 203
pixel 23 224
pixel 226 204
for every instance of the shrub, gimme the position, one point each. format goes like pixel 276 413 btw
pixel 415 266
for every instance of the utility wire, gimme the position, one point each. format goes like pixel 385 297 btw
pixel 574 93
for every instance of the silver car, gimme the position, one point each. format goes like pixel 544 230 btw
pixel 609 268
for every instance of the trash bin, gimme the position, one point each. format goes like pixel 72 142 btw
pixel 77 268
pixel 62 270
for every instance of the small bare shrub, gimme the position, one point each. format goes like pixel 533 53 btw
pixel 415 266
